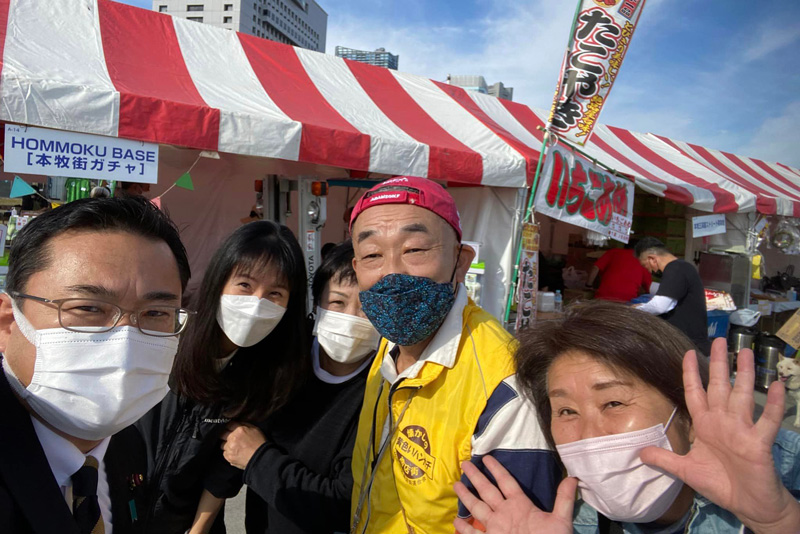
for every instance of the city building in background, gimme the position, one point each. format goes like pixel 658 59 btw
pixel 379 58
pixel 501 91
pixel 301 23
pixel 478 83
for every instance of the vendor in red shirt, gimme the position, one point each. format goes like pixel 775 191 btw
pixel 622 276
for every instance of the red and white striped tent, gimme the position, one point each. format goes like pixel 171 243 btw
pixel 100 67
pixel 105 68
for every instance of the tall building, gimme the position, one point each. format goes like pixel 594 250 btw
pixel 478 83
pixel 301 23
pixel 469 82
pixel 499 90
pixel 379 58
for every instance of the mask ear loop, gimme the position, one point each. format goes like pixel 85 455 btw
pixel 671 417
pixel 453 275
pixel 25 327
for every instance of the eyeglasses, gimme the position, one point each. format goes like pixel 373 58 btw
pixel 97 316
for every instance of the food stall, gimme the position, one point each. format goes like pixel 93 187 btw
pixel 231 109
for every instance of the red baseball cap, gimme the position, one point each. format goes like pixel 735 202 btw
pixel 411 190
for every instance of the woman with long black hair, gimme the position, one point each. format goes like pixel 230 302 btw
pixel 240 360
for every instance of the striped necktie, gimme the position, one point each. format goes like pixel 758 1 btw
pixel 85 506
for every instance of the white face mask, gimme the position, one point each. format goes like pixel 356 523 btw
pixel 247 319
pixel 92 385
pixel 346 338
pixel 615 482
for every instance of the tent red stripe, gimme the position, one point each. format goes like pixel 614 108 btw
pixel 327 137
pixel 790 188
pixel 460 95
pixel 448 157
pixel 673 192
pixel 771 172
pixel 791 170
pixel 764 200
pixel 753 174
pixel 739 163
pixel 5 6
pixel 724 200
pixel 527 118
pixel 158 99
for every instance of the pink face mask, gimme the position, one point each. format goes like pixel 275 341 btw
pixel 615 482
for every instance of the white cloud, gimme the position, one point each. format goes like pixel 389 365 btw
pixel 520 44
pixel 770 38
pixel 776 138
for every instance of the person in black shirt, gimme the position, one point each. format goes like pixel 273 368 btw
pixel 241 359
pixel 297 463
pixel 680 298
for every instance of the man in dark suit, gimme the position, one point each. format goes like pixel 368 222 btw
pixel 88 332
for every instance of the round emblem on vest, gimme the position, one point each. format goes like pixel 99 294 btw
pixel 413 451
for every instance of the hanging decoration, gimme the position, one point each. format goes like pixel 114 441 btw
pixel 185 179
pixel 20 188
pixel 528 277
pixel 786 237
pixel 185 182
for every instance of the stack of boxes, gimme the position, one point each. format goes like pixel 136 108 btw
pixel 662 219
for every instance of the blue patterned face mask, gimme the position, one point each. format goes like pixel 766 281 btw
pixel 407 309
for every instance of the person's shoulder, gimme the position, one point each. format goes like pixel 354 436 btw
pixel 486 329
pixel 680 269
pixel 621 252
pixel 683 265
pixel 486 346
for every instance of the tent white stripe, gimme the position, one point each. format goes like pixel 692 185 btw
pixel 392 150
pixel 703 199
pixel 789 175
pixel 784 199
pixel 772 188
pixel 494 109
pixel 782 189
pixel 769 186
pixel 42 83
pixel 55 75
pixel 250 122
pixel 743 197
pixel 502 165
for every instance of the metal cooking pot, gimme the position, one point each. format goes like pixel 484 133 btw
pixel 768 354
pixel 741 337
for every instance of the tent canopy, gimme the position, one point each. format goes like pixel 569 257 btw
pixel 101 67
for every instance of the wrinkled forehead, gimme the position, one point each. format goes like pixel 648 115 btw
pixel 399 220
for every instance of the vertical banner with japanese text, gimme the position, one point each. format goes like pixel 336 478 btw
pixel 575 190
pixel 528 278
pixel 600 38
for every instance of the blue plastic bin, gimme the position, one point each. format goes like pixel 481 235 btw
pixel 718 323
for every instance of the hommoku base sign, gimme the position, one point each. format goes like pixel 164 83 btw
pixel 30 150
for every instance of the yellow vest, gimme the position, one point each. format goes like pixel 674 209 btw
pixel 412 489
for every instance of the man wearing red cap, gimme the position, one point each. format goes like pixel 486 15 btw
pixel 442 388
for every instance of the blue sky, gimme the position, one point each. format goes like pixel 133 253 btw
pixel 721 73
